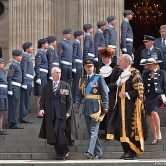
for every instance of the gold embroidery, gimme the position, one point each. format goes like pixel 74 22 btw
pixel 110 136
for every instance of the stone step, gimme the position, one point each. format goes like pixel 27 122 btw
pixel 73 156
pixel 101 162
pixel 79 149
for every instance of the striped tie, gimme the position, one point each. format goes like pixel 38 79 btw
pixel 55 85
pixel 163 44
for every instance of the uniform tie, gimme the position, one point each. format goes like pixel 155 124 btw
pixel 148 53
pixel 88 78
pixel 163 44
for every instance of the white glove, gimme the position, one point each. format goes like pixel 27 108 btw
pixel 118 82
pixel 74 70
pixel 124 49
pixel 96 59
pixel 41 112
pixel 10 93
pixel 50 78
pixel 38 81
pixel 24 86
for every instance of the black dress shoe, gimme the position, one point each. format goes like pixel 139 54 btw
pixel 16 127
pixel 122 157
pixel 26 121
pixel 154 143
pixel 59 158
pixel 97 157
pixel 129 156
pixel 66 153
pixel 87 155
pixel 3 133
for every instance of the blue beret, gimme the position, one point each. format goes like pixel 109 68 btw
pixel 16 52
pixel 26 45
pixel 110 18
pixel 42 41
pixel 78 33
pixel 88 61
pixel 128 12
pixel 148 38
pixel 101 23
pixel 66 31
pixel 87 26
pixel 1 60
pixel 51 38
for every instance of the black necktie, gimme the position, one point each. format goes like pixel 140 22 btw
pixel 148 53
pixel 88 78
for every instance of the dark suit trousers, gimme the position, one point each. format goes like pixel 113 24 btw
pixel 60 149
pixel 24 102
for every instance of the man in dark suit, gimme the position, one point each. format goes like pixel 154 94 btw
pixel 161 42
pixel 56 107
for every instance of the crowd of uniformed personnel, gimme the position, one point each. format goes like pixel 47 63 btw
pixel 73 60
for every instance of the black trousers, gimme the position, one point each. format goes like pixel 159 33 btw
pixel 59 148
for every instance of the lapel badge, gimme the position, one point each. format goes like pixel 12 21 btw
pixel 94 90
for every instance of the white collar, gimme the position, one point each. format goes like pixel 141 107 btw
pixel 16 61
pixel 127 69
pixel 126 19
pixel 100 30
pixel 77 40
pixel 151 48
pixel 90 75
pixel 51 47
pixel 110 26
pixel 88 34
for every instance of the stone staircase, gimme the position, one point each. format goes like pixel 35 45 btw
pixel 24 144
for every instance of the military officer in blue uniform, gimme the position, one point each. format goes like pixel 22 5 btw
pixel 77 51
pixel 14 79
pixel 161 42
pixel 66 57
pixel 110 36
pixel 27 77
pixel 127 33
pixel 152 52
pixel 41 70
pixel 93 90
pixel 3 95
pixel 89 50
pixel 52 57
pixel 99 42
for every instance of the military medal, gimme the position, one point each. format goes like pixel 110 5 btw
pixel 94 90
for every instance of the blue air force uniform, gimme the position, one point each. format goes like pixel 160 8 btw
pixel 52 57
pixel 3 89
pixel 77 51
pixel 89 50
pixel 99 42
pixel 126 37
pixel 41 71
pixel 14 79
pixel 27 77
pixel 94 91
pixel 65 53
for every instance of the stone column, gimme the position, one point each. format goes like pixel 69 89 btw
pixel 92 11
pixel 29 20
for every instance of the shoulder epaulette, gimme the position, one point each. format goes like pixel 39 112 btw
pixel 97 74
pixel 157 48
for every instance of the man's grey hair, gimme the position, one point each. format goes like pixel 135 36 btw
pixel 55 68
pixel 128 58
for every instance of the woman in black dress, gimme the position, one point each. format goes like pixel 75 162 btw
pixel 155 85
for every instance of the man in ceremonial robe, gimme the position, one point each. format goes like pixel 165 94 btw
pixel 127 122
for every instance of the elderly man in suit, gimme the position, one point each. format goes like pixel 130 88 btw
pixel 161 42
pixel 56 108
